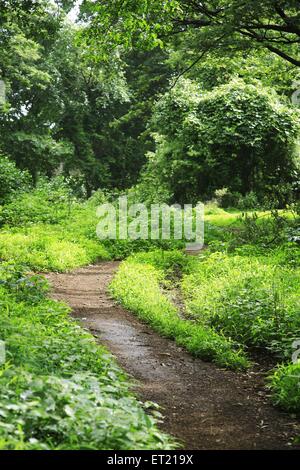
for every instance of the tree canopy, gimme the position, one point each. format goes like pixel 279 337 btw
pixel 208 141
pixel 87 100
pixel 272 24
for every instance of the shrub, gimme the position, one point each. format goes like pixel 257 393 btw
pixel 248 202
pixel 31 289
pixel 239 136
pixel 12 180
pixel 50 202
pixel 80 412
pixel 268 229
pixel 226 198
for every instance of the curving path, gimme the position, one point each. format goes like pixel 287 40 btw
pixel 204 406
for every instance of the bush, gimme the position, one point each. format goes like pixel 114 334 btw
pixel 239 136
pixel 268 229
pixel 12 180
pixel 50 202
pixel 226 198
pixel 248 202
pixel 80 412
pixel 31 289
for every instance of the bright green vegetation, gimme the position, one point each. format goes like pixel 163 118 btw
pixel 245 26
pixel 118 104
pixel 49 230
pixel 58 388
pixel 138 287
pixel 46 248
pixel 245 299
pixel 252 299
pixel 237 298
pixel 285 387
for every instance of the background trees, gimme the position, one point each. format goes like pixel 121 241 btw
pixel 67 111
pixel 273 25
pixel 179 92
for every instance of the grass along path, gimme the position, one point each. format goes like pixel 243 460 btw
pixel 205 407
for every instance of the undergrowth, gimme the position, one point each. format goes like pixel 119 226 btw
pixel 58 388
pixel 252 299
pixel 137 286
pixel 234 301
pixel 242 292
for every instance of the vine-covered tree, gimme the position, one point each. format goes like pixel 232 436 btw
pixel 237 136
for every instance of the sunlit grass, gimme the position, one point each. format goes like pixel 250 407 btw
pixel 137 287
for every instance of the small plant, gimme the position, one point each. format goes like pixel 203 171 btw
pixel 285 387
pixel 248 202
pixel 266 229
pixel 50 202
pixel 25 288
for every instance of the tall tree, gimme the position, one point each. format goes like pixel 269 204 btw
pixel 271 24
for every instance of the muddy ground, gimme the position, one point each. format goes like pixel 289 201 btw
pixel 205 407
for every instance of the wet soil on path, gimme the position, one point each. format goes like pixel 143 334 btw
pixel 205 407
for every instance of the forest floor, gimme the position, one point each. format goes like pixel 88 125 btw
pixel 204 406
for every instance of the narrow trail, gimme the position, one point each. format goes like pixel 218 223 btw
pixel 204 407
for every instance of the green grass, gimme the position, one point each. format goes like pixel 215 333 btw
pixel 244 292
pixel 58 388
pixel 137 286
pixel 45 247
pixel 251 299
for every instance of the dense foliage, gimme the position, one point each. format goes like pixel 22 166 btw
pixel 59 390
pixel 162 101
pixel 64 108
pixel 72 110
pixel 219 24
pixel 213 140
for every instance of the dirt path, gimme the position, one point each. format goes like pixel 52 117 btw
pixel 204 406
